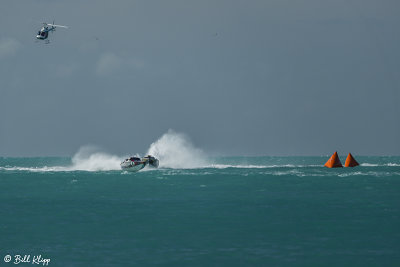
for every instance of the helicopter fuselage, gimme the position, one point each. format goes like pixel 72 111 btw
pixel 44 33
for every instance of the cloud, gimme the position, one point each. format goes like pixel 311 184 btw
pixel 8 47
pixel 136 64
pixel 66 70
pixel 109 63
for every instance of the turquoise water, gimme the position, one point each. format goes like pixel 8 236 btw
pixel 236 211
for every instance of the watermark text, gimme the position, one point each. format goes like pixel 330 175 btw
pixel 28 259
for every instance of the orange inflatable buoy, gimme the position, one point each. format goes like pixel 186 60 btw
pixel 334 161
pixel 350 161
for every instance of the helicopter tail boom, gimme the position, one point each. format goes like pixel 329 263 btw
pixel 55 25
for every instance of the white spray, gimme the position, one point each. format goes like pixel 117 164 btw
pixel 89 158
pixel 174 150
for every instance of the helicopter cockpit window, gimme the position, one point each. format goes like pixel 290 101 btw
pixel 42 33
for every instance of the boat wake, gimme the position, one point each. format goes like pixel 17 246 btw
pixel 88 158
pixel 174 150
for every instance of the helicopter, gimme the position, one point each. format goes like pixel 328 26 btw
pixel 43 33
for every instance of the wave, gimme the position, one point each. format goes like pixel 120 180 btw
pixel 369 173
pixel 250 166
pixel 32 169
pixel 175 151
pixel 88 158
pixel 369 165
pixel 380 165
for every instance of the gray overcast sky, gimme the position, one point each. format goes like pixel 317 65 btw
pixel 265 77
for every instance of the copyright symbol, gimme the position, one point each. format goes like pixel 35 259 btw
pixel 7 258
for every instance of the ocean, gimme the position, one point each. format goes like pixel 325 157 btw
pixel 228 211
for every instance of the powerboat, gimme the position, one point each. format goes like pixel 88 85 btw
pixel 135 164
pixel 151 161
pixel 132 164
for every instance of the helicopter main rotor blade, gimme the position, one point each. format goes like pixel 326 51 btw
pixel 54 25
